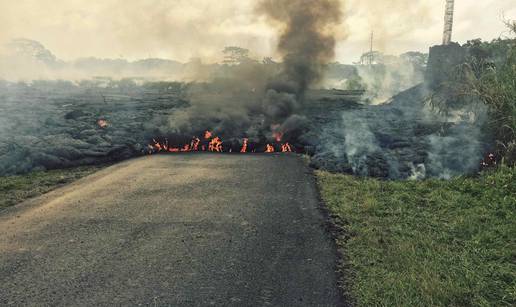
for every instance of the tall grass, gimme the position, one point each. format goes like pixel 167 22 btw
pixel 489 75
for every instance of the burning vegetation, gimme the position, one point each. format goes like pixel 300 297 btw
pixel 211 143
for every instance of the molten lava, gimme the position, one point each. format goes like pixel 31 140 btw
pixel 286 148
pixel 195 144
pixel 244 146
pixel 213 143
pixel 102 123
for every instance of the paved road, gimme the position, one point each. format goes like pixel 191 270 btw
pixel 173 230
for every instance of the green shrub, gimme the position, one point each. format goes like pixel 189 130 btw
pixel 487 76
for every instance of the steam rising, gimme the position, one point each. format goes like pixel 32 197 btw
pixel 54 124
pixel 404 138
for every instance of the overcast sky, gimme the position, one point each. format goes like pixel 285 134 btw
pixel 183 29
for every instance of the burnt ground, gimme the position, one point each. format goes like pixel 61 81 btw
pixel 406 137
pixel 173 230
pixel 49 124
pixel 52 125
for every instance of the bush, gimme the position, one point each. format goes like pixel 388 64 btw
pixel 487 76
pixel 495 85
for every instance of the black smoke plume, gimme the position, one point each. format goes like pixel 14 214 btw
pixel 307 38
pixel 306 43
pixel 254 101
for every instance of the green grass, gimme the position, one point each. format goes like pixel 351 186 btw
pixel 426 243
pixel 15 189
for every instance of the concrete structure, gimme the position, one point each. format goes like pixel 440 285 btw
pixel 448 22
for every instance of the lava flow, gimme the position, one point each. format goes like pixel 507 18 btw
pixel 102 123
pixel 212 143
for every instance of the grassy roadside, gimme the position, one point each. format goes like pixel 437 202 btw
pixel 15 189
pixel 427 243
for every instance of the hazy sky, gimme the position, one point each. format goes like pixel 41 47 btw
pixel 182 29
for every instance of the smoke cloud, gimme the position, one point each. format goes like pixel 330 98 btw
pixel 180 29
pixel 404 138
pixel 399 139
pixel 307 43
pixel 306 31
pixel 393 22
pixel 381 82
pixel 307 37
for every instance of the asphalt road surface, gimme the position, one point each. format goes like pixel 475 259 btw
pixel 173 230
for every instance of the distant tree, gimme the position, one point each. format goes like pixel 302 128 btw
pixel 268 61
pixel 478 49
pixel 388 59
pixel 511 24
pixel 372 57
pixel 415 57
pixel 164 86
pixel 495 51
pixel 235 55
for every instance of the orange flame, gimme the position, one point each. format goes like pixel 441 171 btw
pixel 244 146
pixel 215 145
pixel 195 144
pixel 286 148
pixel 102 123
pixel 157 145
pixel 208 135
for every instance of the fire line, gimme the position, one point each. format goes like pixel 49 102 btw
pixel 212 143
